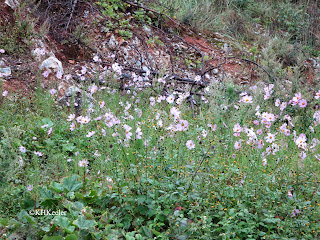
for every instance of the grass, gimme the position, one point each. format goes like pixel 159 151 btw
pixel 156 186
pixel 238 18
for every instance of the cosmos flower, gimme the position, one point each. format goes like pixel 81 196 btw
pixel 83 163
pixel 90 134
pixel 270 138
pixel 197 78
pixel 264 162
pixel 190 144
pixel 22 149
pixel 5 93
pixel 237 145
pixel 170 99
pixel 39 154
pixel 72 126
pixel 71 117
pixel 302 103
pixel 59 75
pixel 30 187
pixel 246 99
pixel 93 89
pixel 53 91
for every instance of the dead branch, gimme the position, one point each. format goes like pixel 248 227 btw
pixel 253 62
pixel 153 11
pixel 72 11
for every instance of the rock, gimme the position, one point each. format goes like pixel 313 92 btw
pixel 12 3
pixel 5 72
pixel 52 63
pixel 113 43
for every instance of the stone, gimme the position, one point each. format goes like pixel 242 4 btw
pixel 113 43
pixel 12 3
pixel 5 72
pixel 52 64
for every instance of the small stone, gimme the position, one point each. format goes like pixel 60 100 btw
pixel 113 43
pixel 5 72
pixel 52 63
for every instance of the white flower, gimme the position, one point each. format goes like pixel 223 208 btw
pixel 83 163
pixel 71 117
pixel 190 144
pixel 170 99
pixel 5 93
pixel 90 134
pixel 22 149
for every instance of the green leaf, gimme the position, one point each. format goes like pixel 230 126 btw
pixel 71 237
pixel 4 222
pixel 64 223
pixel 47 121
pixel 57 187
pixel 68 147
pixel 71 184
pixel 83 223
pixel 46 194
pixel 52 237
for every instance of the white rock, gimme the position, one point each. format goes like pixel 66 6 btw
pixel 12 3
pixel 5 72
pixel 113 43
pixel 52 63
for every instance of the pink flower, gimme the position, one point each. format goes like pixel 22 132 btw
pixel 72 126
pixel 30 187
pixel 264 162
pixel 259 131
pixel 5 93
pixel 22 149
pixel 83 163
pixel 96 59
pixel 83 70
pixel 53 91
pixel 2 51
pixel 190 144
pixel 90 134
pixel 246 99
pixel 266 96
pixel 46 73
pixel 302 103
pixel 256 122
pixel 295 212
pixel 138 133
pixel 38 153
pixel 170 99
pixel 101 104
pixel 283 106
pixel 277 103
pixel 237 145
pixel 197 78
pixel 317 96
pixel 71 117
pixel 270 138
pixel 59 75
pixel 289 194
pixel 50 131
pixel 93 89
pixel 237 128
pixel 260 144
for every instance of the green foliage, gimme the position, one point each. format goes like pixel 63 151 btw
pixel 16 37
pixel 155 187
